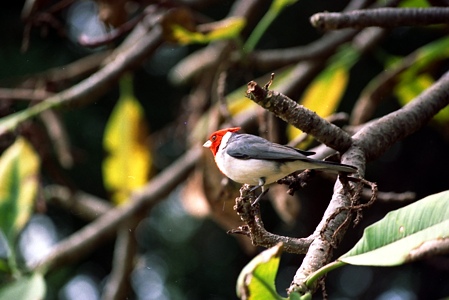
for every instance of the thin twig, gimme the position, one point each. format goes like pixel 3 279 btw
pixel 117 286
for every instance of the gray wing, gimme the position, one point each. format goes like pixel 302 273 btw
pixel 246 146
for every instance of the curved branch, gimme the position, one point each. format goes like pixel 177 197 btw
pixel 255 229
pixel 381 17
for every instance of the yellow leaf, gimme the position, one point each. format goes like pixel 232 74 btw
pixel 225 29
pixel 324 94
pixel 185 37
pixel 127 165
pixel 406 90
pixel 19 167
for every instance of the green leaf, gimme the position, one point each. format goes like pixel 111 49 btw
pixel 393 239
pixel 256 281
pixel 127 165
pixel 273 12
pixel 4 266
pixel 19 167
pixel 414 3
pixel 25 288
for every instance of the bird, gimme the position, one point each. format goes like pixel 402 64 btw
pixel 253 160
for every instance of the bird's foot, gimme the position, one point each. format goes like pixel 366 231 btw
pixel 264 191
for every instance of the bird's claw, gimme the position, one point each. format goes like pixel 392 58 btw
pixel 264 191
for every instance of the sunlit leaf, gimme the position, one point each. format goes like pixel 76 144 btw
pixel 414 80
pixel 185 37
pixel 407 90
pixel 226 29
pixel 256 281
pixel 325 92
pixel 25 288
pixel 391 240
pixel 127 165
pixel 19 168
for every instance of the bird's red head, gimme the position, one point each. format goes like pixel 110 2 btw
pixel 213 143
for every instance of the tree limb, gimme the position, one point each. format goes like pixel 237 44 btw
pixel 381 17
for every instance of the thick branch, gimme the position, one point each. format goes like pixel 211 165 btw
pixel 330 231
pixel 381 17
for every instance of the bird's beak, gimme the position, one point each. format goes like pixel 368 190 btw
pixel 207 144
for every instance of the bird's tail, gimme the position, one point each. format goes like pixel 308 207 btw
pixel 334 167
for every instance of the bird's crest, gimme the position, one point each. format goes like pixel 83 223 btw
pixel 215 138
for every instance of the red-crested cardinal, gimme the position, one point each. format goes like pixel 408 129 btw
pixel 253 160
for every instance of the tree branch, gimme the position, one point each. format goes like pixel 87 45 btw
pixel 125 249
pixel 319 49
pixel 381 17
pixel 331 230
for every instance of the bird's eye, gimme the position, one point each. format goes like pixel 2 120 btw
pixel 214 137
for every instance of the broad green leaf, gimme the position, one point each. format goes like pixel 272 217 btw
pixel 25 288
pixel 325 92
pixel 127 165
pixel 390 241
pixel 226 29
pixel 256 281
pixel 19 167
